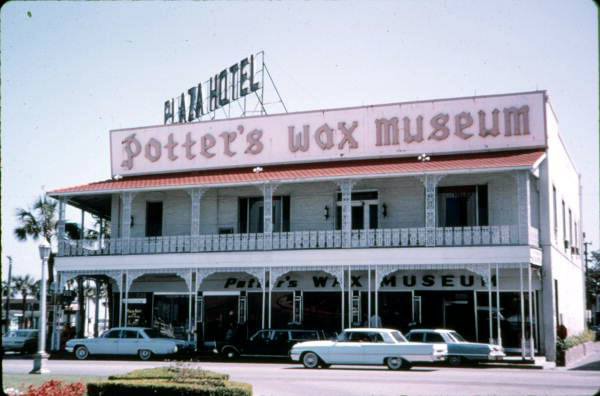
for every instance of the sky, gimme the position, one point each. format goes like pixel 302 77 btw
pixel 72 71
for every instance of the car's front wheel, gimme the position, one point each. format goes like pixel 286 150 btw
pixel 144 354
pixel 455 361
pixel 310 360
pixel 230 353
pixel 81 352
pixel 397 363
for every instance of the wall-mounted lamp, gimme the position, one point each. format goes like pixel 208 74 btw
pixel 326 212
pixel 424 157
pixel 258 169
pixel 384 210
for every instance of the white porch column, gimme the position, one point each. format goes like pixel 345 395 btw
pixel 268 189
pixel 264 285
pixel 522 312
pixel 376 298
pixel 350 305
pixel 430 183
pixel 121 287
pixel 126 201
pixel 369 296
pixel 270 287
pixel 97 306
pixel 523 205
pixel 498 305
pixel 342 281
pixel 127 285
pixel 490 303
pixel 190 295
pixel 476 315
pixel 346 189
pixel 61 226
pixel 529 294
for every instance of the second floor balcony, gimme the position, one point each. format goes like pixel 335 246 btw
pixel 380 238
pixel 315 207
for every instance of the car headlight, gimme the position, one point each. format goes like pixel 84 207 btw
pixel 175 349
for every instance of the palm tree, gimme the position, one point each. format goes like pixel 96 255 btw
pixel 39 221
pixel 23 285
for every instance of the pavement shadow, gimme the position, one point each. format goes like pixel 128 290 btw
pixel 590 366
pixel 414 369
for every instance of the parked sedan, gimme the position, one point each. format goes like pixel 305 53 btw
pixel 367 346
pixel 24 341
pixel 269 343
pixel 144 342
pixel 459 349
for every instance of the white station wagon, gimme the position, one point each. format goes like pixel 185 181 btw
pixel 365 346
pixel 140 341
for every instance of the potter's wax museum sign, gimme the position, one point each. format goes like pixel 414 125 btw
pixel 446 126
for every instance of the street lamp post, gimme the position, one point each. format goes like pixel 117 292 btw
pixel 41 357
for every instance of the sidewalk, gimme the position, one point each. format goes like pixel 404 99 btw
pixel 539 363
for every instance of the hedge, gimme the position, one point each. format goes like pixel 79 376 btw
pixel 169 381
pixel 574 340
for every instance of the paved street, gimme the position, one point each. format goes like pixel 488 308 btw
pixel 283 379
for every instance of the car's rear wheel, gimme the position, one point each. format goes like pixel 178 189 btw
pixel 81 352
pixel 397 363
pixel 144 354
pixel 230 353
pixel 310 360
pixel 455 361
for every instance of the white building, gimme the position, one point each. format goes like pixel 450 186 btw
pixel 328 218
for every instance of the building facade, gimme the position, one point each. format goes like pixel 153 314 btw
pixel 456 213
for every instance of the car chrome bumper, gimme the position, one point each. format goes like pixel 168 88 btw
pixel 295 356
pixel 69 349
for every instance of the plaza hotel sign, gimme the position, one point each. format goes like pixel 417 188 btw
pixel 447 126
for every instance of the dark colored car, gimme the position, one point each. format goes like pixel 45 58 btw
pixel 269 343
pixel 460 350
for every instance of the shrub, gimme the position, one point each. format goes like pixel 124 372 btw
pixel 56 388
pixel 562 345
pixel 178 380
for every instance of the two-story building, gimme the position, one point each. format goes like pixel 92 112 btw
pixel 456 213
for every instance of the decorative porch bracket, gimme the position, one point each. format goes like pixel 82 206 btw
pixel 268 189
pixel 196 199
pixel 346 189
pixel 126 201
pixel 60 225
pixel 430 183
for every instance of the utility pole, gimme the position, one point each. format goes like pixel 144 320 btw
pixel 585 254
pixel 7 318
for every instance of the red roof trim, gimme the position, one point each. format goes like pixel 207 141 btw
pixel 307 171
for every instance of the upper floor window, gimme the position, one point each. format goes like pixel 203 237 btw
pixel 571 227
pixel 365 210
pixel 554 210
pixel 463 206
pixel 154 219
pixel 251 214
pixel 564 222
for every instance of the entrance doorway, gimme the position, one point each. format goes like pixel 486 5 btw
pixel 220 316
pixel 448 310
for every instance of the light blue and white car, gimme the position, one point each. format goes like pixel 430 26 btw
pixel 460 350
pixel 140 341
pixel 367 346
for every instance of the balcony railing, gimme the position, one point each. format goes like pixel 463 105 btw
pixel 380 238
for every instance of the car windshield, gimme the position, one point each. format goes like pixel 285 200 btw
pixel 457 336
pixel 396 335
pixel 155 333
